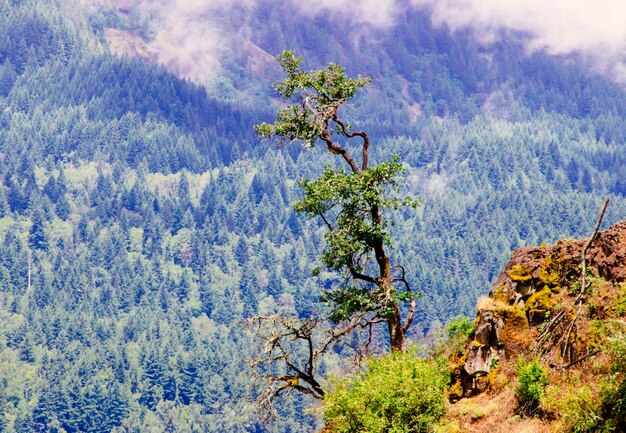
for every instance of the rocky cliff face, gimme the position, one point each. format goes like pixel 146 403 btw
pixel 537 310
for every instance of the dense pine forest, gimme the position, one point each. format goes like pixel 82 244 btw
pixel 141 220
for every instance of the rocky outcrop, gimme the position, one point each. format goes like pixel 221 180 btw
pixel 524 297
pixel 487 345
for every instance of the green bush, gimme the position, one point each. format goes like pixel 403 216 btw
pixel 576 403
pixel 533 379
pixel 614 395
pixel 614 405
pixel 457 331
pixel 397 393
pixel 459 325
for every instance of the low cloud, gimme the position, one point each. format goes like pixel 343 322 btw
pixel 595 29
pixel 378 13
pixel 192 37
pixel 188 37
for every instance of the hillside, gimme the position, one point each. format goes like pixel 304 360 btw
pixel 545 354
pixel 546 349
pixel 141 221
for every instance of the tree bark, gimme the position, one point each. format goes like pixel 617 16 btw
pixel 397 338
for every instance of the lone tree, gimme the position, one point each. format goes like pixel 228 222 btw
pixel 350 203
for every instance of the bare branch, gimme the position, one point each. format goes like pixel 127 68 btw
pixel 333 336
pixel 336 149
pixel 328 224
pixel 350 134
pixel 296 347
pixel 583 284
pixel 360 276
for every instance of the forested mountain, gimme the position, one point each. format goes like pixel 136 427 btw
pixel 141 220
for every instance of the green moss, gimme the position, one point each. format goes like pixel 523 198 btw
pixel 499 295
pixel 541 299
pixel 520 273
pixel 455 392
pixel 516 318
pixel 538 305
pixel 548 277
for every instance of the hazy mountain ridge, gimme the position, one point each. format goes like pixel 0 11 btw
pixel 444 72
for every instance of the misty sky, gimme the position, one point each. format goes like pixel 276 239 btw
pixel 595 28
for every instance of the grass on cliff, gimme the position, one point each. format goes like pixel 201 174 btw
pixel 544 391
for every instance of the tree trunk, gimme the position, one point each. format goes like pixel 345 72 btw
pixel 397 338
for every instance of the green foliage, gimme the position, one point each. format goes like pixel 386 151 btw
pixel 397 393
pixel 617 348
pixel 576 403
pixel 533 380
pixel 318 94
pixel 346 302
pixel 619 307
pixel 456 334
pixel 614 407
pixel 614 394
pixel 459 327
pixel 350 205
pixel 354 195
pixel 353 234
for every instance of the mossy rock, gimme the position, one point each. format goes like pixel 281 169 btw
pixel 549 278
pixel 515 317
pixel 491 304
pixel 538 306
pixel 520 273
pixel 455 393
pixel 499 294
pixel 515 331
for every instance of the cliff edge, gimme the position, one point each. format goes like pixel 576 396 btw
pixel 546 353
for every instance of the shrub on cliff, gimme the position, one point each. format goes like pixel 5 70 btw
pixel 397 393
pixel 533 379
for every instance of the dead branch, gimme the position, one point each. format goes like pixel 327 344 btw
pixel 579 360
pixel 292 352
pixel 583 284
pixel 550 337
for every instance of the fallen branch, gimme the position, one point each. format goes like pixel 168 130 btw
pixel 579 360
pixel 559 330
